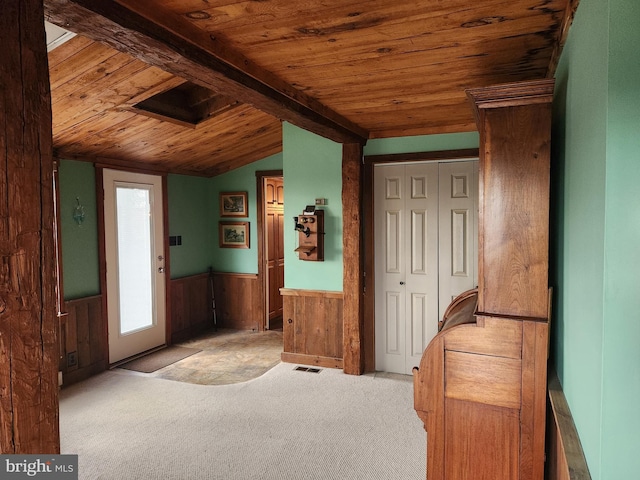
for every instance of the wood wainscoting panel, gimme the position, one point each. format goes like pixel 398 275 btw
pixel 191 311
pixel 565 457
pixel 83 343
pixel 238 301
pixel 312 327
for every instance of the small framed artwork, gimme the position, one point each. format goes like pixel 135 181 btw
pixel 234 234
pixel 234 204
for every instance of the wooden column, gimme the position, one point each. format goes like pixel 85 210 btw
pixel 352 259
pixel 28 323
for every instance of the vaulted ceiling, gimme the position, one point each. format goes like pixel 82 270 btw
pixel 123 89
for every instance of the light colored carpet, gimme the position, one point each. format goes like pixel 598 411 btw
pixel 283 425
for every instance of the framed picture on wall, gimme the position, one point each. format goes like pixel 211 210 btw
pixel 234 234
pixel 234 204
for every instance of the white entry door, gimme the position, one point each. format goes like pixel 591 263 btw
pixel 425 253
pixel 134 251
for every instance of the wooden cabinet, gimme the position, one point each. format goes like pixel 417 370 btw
pixel 481 385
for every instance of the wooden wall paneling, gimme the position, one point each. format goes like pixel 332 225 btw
pixel 288 333
pixel 301 323
pixel 29 346
pixel 565 457
pixel 178 310
pixel 71 338
pixel 83 330
pixel 353 266
pixel 190 307
pixel 83 345
pixel 312 327
pixel 238 301
pixel 97 340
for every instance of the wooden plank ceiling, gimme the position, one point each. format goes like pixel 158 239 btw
pixel 349 70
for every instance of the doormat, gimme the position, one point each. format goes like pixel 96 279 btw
pixel 160 359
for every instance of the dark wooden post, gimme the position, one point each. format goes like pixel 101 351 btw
pixel 352 259
pixel 28 322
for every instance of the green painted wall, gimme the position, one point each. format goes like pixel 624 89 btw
pixel 621 346
pixel 80 272
pixel 193 214
pixel 312 169
pixel 596 227
pixel 191 217
pixel 422 143
pixel 239 180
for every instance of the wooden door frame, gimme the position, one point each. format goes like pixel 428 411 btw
pixel 260 223
pixel 370 161
pixel 102 257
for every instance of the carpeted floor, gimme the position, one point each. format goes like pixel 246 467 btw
pixel 284 425
pixel 224 357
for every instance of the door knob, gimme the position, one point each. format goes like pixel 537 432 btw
pixel 161 270
pixel 401 283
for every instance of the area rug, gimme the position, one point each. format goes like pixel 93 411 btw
pixel 159 359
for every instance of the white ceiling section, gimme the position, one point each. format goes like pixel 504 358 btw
pixel 56 36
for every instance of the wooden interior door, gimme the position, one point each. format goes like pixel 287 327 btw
pixel 274 236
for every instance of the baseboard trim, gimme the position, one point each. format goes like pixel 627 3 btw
pixel 314 360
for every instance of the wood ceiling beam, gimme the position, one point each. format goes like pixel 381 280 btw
pixel 166 40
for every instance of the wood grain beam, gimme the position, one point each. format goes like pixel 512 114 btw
pixel 164 39
pixel 352 313
pixel 28 323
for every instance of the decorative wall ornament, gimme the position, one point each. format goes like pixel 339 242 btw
pixel 234 204
pixel 234 234
pixel 78 212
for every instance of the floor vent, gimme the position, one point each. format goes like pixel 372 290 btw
pixel 308 369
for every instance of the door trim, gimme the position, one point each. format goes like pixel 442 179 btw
pixel 102 257
pixel 262 274
pixel 368 232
